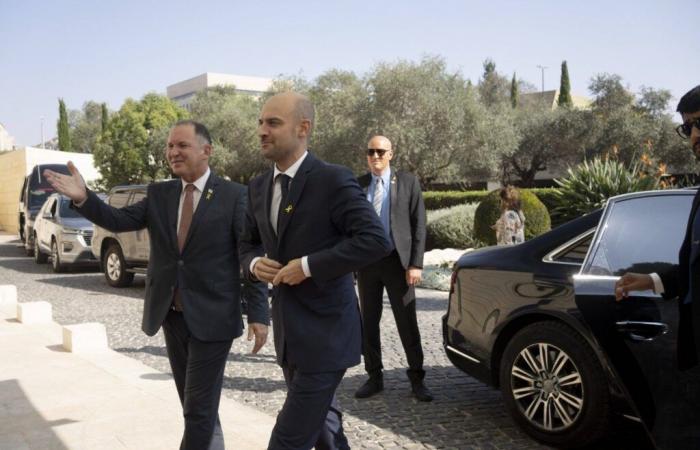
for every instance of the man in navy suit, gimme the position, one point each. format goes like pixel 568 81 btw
pixel 192 286
pixel 308 228
pixel 681 281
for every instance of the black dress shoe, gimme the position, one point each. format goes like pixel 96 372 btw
pixel 371 387
pixel 421 392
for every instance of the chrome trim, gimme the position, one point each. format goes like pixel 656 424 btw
pixel 632 418
pixel 549 257
pixel 463 355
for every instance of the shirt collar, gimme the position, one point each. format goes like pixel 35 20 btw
pixel 385 176
pixel 200 182
pixel 292 170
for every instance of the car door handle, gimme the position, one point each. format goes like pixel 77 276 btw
pixel 642 331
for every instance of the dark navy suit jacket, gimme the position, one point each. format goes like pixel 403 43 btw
pixel 206 272
pixel 327 218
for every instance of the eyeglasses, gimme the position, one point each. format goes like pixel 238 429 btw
pixel 379 151
pixel 686 129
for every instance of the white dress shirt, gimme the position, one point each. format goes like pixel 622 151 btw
pixel 199 184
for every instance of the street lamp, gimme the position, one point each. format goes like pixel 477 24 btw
pixel 542 69
pixel 42 131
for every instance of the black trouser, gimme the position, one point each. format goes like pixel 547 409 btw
pixel 310 417
pixel 198 369
pixel 389 273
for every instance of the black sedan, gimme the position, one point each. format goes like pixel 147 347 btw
pixel 539 320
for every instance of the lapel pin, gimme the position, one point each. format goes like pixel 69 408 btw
pixel 210 192
pixel 288 209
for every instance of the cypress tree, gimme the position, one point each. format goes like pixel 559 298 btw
pixel 105 117
pixel 63 129
pixel 565 88
pixel 514 92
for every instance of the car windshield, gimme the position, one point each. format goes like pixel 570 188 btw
pixel 37 197
pixel 66 211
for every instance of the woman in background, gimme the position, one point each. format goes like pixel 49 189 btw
pixel 510 227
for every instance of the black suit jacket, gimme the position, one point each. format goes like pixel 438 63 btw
pixel 676 284
pixel 407 216
pixel 317 322
pixel 206 272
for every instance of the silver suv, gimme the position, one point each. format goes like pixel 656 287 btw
pixel 61 233
pixel 121 255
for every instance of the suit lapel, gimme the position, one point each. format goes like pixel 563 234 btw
pixel 173 203
pixel 394 197
pixel 267 199
pixel 295 190
pixel 691 225
pixel 208 196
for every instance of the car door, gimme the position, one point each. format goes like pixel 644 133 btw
pixel 44 222
pixel 141 242
pixel 642 233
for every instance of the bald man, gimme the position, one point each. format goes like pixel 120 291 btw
pixel 308 228
pixel 397 200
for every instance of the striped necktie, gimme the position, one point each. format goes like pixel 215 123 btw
pixel 378 195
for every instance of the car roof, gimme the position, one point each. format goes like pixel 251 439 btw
pixel 684 191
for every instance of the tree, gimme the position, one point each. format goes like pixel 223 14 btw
pixel 565 100
pixel 514 92
pixel 132 148
pixel 63 127
pixel 232 121
pixel 86 127
pixel 104 118
pixel 494 89
pixel 653 102
pixel 610 95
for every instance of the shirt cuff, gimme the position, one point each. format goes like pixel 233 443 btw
pixel 658 284
pixel 79 205
pixel 252 264
pixel 305 266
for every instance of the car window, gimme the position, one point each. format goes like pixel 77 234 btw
pixel 66 211
pixel 641 234
pixel 137 197
pixel 119 199
pixel 53 207
pixel 576 252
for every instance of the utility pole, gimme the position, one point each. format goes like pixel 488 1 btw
pixel 542 69
pixel 42 132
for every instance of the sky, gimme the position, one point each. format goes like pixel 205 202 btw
pixel 108 51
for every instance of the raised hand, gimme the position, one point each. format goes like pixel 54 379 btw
pixel 72 186
pixel 632 282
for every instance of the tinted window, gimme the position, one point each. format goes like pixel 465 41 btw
pixel 119 199
pixel 66 210
pixel 575 253
pixel 641 235
pixel 38 196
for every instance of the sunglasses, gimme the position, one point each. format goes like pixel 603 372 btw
pixel 686 129
pixel 379 151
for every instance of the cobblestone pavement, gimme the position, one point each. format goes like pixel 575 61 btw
pixel 465 414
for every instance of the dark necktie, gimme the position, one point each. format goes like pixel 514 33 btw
pixel 185 216
pixel 284 184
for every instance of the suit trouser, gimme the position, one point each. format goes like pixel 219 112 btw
pixel 310 417
pixel 198 369
pixel 388 273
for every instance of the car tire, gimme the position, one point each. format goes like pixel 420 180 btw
pixel 564 402
pixel 56 263
pixel 114 267
pixel 29 248
pixel 39 256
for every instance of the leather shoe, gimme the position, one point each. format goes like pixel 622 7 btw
pixel 371 387
pixel 421 392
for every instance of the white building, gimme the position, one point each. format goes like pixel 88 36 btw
pixel 7 142
pixel 183 92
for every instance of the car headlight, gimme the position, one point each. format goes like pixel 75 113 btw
pixel 73 231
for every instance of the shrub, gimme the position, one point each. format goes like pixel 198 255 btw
pixel 444 199
pixel 590 184
pixel 537 219
pixel 451 227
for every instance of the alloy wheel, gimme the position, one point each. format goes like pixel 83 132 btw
pixel 114 266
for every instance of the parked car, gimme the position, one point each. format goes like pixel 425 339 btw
pixel 540 321
pixel 121 255
pixel 62 235
pixel 35 191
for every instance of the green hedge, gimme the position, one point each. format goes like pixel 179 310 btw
pixel 537 219
pixel 445 199
pixel 451 227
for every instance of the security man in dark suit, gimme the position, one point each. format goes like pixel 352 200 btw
pixel 308 228
pixel 397 200
pixel 192 286
pixel 682 280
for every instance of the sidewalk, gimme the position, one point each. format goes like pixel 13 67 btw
pixel 54 399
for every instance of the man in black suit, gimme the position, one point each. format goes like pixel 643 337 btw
pixel 682 280
pixel 308 228
pixel 397 199
pixel 192 286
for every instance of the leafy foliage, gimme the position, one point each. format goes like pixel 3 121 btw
pixel 63 127
pixel 537 220
pixel 451 227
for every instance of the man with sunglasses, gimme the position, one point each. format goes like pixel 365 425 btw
pixel 682 280
pixel 398 201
